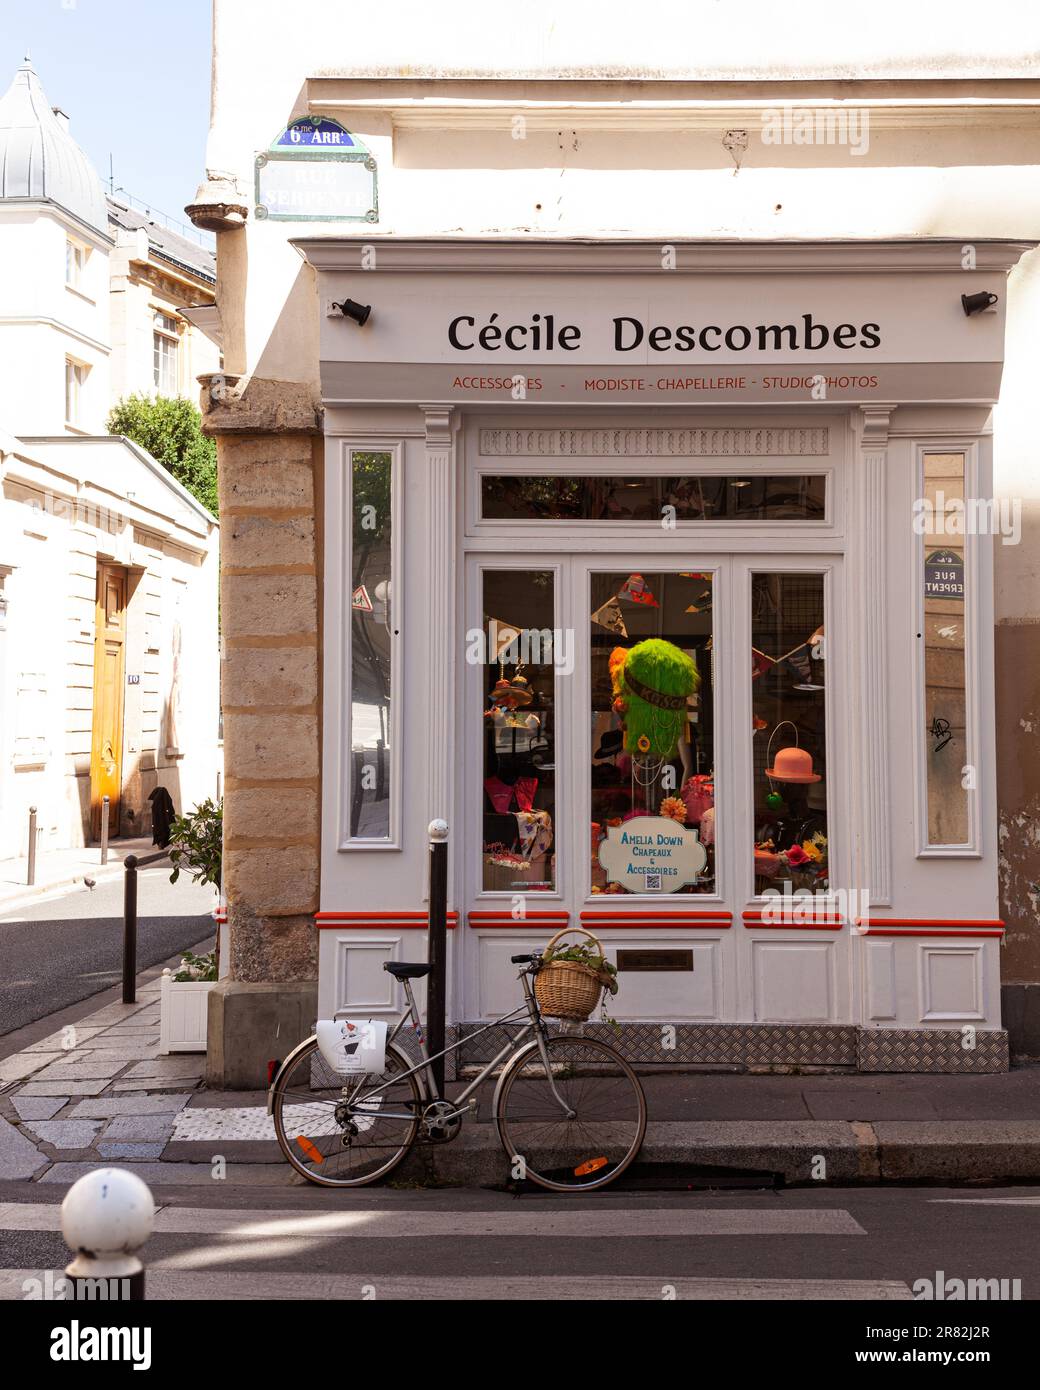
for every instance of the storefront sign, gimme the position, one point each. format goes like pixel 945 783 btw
pixel 652 854
pixel 316 171
pixel 944 575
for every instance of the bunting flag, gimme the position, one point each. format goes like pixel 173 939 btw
pixel 502 635
pixel 760 663
pixel 609 616
pixel 636 590
pixel 798 662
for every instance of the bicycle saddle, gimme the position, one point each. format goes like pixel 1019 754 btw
pixel 401 971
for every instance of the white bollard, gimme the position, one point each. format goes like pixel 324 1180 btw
pixel 106 1217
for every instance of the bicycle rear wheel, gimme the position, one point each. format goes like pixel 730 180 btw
pixel 331 1146
pixel 596 1143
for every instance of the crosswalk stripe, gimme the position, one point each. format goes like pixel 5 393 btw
pixel 985 1201
pixel 412 1225
pixel 163 1283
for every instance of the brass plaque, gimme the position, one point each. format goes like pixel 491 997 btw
pixel 654 960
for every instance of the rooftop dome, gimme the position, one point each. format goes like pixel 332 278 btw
pixel 39 158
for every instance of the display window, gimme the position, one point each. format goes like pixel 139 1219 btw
pixel 518 853
pixel 949 773
pixel 787 670
pixel 652 753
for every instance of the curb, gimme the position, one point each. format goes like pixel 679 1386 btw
pixel 835 1152
pixel 103 874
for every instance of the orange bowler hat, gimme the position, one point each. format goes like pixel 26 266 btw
pixel 793 765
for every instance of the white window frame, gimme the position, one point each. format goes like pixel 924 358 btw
pixel 972 847
pixel 339 583
pixel 165 334
pixel 76 255
pixel 76 373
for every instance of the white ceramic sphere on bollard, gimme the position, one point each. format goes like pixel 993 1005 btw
pixel 106 1217
pixel 438 830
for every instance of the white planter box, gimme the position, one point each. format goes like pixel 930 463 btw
pixel 182 1014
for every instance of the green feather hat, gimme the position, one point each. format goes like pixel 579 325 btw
pixel 656 681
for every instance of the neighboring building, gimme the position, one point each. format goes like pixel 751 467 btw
pixel 666 339
pixel 92 293
pixel 108 645
pixel 107 564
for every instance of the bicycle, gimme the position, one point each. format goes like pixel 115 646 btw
pixel 569 1111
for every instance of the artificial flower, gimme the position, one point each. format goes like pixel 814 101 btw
pixel 674 808
pixel 796 857
pixel 813 850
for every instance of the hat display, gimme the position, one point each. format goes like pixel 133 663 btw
pixel 520 688
pixel 793 765
pixel 502 692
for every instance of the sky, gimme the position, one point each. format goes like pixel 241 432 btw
pixel 133 78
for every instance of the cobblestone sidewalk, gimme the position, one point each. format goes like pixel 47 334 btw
pixel 98 1090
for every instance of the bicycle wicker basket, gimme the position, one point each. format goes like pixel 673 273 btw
pixel 567 988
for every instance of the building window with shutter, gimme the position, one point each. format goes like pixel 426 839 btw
pixel 75 376
pixel 165 344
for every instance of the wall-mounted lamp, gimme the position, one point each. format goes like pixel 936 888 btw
pixel 975 303
pixel 351 309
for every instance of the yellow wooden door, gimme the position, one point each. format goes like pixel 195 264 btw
pixel 106 746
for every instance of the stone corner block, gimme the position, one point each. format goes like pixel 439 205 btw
pixel 250 1025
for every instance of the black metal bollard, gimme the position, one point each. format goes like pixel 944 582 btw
pixel 130 930
pixel 436 1001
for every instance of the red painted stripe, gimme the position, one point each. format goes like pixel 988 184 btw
pixel 811 919
pixel 793 926
pixel 590 916
pixel 659 924
pixel 931 931
pixel 930 922
pixel 502 916
pixel 403 921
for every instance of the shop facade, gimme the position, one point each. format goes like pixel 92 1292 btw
pixel 667 349
pixel 696 657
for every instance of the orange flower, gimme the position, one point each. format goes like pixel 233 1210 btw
pixel 674 808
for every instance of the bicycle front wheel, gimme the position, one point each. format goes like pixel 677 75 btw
pixel 575 1126
pixel 327 1129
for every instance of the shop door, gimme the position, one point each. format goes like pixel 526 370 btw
pixel 724 729
pixel 106 749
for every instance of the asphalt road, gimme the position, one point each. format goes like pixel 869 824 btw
pixel 68 946
pixel 247 1242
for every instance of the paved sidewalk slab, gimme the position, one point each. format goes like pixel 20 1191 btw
pixel 19 1157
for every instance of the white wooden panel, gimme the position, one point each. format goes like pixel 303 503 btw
pixel 951 982
pixel 678 995
pixel 793 981
pixel 881 980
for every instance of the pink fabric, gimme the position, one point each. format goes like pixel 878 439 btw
pixel 501 795
pixel 699 795
pixel 525 789
pixel 707 835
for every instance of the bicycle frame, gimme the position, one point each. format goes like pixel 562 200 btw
pixel 424 1072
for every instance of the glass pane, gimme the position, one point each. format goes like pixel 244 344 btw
pixel 788 726
pixel 744 497
pixel 520 652
pixel 944 669
pixel 652 756
pixel 371 633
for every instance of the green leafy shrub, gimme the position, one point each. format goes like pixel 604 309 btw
pixel 196 843
pixel 170 428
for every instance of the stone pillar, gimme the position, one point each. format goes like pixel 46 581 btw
pixel 269 456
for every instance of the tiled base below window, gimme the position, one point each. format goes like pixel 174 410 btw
pixel 748 1046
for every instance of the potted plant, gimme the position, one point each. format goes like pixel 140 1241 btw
pixel 196 843
pixel 184 1002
